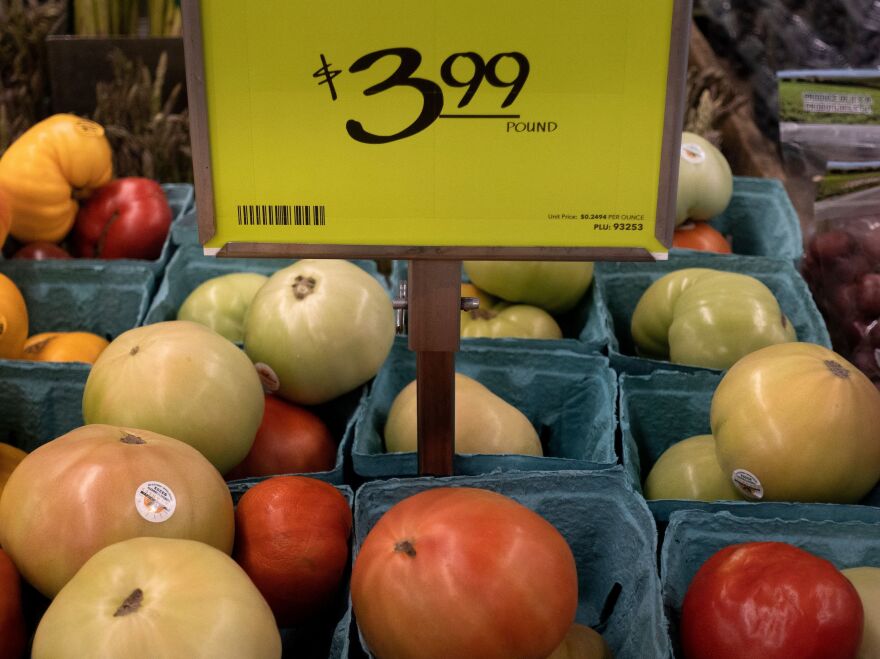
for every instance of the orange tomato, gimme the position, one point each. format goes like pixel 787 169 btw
pixel 5 218
pixel 13 319
pixel 291 537
pixel 701 236
pixel 64 347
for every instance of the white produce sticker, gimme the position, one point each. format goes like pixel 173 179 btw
pixel 155 501
pixel 747 483
pixel 693 153
pixel 268 377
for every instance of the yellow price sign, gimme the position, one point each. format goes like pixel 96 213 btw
pixel 415 129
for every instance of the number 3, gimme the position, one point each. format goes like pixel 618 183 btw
pixel 431 93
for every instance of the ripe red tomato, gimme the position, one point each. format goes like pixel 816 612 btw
pixel 291 537
pixel 290 440
pixel 457 573
pixel 770 600
pixel 40 251
pixel 127 218
pixel 701 236
pixel 12 631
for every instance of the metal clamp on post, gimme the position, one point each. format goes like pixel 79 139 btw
pixel 400 306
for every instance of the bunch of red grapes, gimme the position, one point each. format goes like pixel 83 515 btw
pixel 842 267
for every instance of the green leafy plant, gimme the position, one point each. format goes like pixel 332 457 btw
pixel 147 137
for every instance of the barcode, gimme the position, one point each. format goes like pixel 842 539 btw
pixel 283 215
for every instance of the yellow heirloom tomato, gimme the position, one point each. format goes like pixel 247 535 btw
pixel 47 168
pixel 13 319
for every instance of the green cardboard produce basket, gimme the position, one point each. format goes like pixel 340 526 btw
pixel 694 536
pixel 608 528
pixel 621 285
pixel 665 407
pixel 760 221
pixel 568 397
pixel 328 636
pixel 39 402
pixel 584 328
pixel 189 267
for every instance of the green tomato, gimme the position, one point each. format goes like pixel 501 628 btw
pixel 705 182
pixel 707 318
pixel 867 583
pixel 158 597
pixel 555 286
pixel 318 329
pixel 504 320
pixel 689 470
pixel 222 302
pixel 484 422
pixel 797 422
pixel 182 380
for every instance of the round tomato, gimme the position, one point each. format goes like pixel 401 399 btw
pixel 13 319
pixel 319 328
pixel 64 347
pixel 700 236
pixel 41 251
pixel 12 627
pixel 689 469
pixel 457 573
pixel 484 422
pixel 221 303
pixel 290 440
pixel 10 457
pixel 5 217
pixel 582 642
pixel 126 218
pixel 866 580
pixel 158 597
pixel 797 422
pixel 182 380
pixel 770 600
pixel 98 485
pixel 555 286
pixel 705 182
pixel 505 320
pixel 291 537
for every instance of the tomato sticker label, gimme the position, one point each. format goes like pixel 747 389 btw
pixel 268 377
pixel 747 483
pixel 693 153
pixel 154 501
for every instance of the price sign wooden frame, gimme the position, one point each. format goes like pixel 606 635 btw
pixel 630 47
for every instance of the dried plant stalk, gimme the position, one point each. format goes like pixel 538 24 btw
pixel 710 100
pixel 148 138
pixel 23 96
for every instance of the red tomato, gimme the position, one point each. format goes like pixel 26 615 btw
pixel 458 573
pixel 127 218
pixel 290 440
pixel 40 251
pixel 291 537
pixel 12 631
pixel 701 236
pixel 770 600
